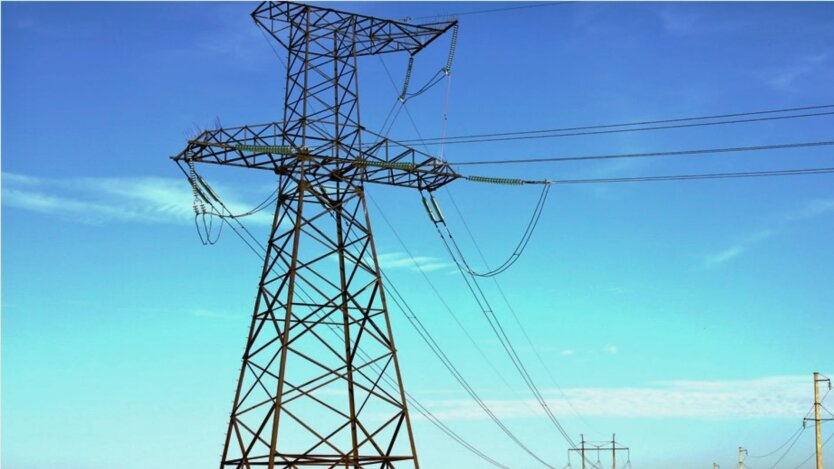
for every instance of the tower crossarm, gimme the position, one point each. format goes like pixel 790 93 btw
pixel 263 147
pixel 360 34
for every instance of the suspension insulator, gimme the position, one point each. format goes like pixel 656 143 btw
pixel 407 79
pixel 448 69
pixel 437 208
pixel 428 210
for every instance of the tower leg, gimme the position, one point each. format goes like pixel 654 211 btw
pixel 302 399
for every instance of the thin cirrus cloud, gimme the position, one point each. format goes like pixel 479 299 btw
pixel 809 209
pixel 783 397
pixel 401 260
pixel 110 199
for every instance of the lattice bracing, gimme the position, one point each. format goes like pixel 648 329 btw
pixel 320 346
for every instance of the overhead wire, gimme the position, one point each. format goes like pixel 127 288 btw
pixel 612 128
pixel 427 337
pixel 437 294
pixel 814 453
pixel 500 333
pixel 491 10
pixel 421 408
pixel 792 444
pixel 436 421
pixel 700 151
pixel 800 429
pixel 509 305
pixel 686 177
pixel 493 321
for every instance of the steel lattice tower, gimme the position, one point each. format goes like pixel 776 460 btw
pixel 306 396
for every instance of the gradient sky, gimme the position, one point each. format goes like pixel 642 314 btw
pixel 687 317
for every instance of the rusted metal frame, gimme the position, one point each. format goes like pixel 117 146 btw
pixel 318 275
pixel 322 439
pixel 377 287
pixel 355 223
pixel 257 404
pixel 396 433
pixel 319 307
pixel 358 227
pixel 337 377
pixel 346 316
pixel 308 329
pixel 331 371
pixel 258 377
pixel 357 263
pixel 257 435
pixel 380 373
pixel 390 335
pixel 262 370
pixel 301 392
pixel 239 438
pixel 250 339
pixel 291 274
pixel 370 437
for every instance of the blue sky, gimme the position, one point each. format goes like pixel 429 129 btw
pixel 687 317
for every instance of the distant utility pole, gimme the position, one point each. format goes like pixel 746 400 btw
pixel 818 414
pixel 741 454
pixel 715 466
pixel 585 446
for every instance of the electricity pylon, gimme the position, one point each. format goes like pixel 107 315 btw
pixel 818 415
pixel 303 398
pixel 585 447
pixel 741 454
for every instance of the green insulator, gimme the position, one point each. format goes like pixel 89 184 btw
pixel 277 149
pixel 488 180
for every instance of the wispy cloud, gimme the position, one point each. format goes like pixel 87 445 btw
pixel 110 199
pixel 612 349
pixel 785 77
pixel 725 255
pixel 401 260
pixel 766 397
pixel 809 209
pixel 567 352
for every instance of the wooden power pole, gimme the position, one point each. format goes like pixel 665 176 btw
pixel 741 454
pixel 818 378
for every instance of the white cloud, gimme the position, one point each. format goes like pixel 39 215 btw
pixel 766 397
pixel 566 352
pixel 725 255
pixel 811 208
pixel 401 260
pixel 785 78
pixel 111 199
pixel 612 349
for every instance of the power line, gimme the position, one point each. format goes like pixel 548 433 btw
pixel 437 294
pixel 226 216
pixel 788 450
pixel 688 177
pixel 509 305
pixel 798 430
pixel 613 128
pixel 814 453
pixel 700 151
pixel 492 10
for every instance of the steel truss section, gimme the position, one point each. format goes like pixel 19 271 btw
pixel 302 398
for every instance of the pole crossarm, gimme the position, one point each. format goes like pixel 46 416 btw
pixel 361 35
pixel 263 146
